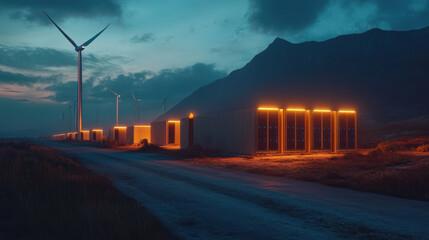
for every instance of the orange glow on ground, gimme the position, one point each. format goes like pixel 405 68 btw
pixel 296 109
pixel 268 108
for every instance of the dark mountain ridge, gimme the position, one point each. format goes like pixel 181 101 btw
pixel 384 75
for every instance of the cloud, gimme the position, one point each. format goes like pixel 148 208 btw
pixel 35 58
pixel 291 17
pixel 396 14
pixel 36 61
pixel 143 38
pixel 31 11
pixel 148 86
pixel 278 16
pixel 25 80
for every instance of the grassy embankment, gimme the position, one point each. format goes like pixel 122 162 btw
pixel 45 195
pixel 385 170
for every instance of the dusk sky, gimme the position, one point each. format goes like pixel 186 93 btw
pixel 156 48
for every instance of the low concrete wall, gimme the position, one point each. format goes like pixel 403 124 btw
pixel 227 132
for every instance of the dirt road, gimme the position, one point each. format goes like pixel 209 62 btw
pixel 198 202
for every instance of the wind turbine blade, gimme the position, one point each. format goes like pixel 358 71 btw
pixel 165 99
pixel 93 38
pixel 65 35
pixel 133 95
pixel 113 92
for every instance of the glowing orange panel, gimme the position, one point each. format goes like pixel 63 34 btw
pixel 321 110
pixel 173 121
pixel 268 108
pixel 142 126
pixel 347 111
pixel 296 109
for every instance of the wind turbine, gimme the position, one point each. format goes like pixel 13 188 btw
pixel 75 115
pixel 117 107
pixel 78 49
pixel 136 106
pixel 164 103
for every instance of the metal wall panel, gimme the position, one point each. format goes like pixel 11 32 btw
pixel 227 132
pixel 158 133
pixel 184 130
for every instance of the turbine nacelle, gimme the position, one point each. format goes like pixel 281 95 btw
pixel 79 48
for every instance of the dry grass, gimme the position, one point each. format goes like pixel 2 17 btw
pixel 45 195
pixel 386 172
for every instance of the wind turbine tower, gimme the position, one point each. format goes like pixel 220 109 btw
pixel 117 107
pixel 79 50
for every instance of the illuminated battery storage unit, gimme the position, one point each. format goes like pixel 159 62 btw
pixel 137 133
pixel 295 129
pixel 72 136
pixel 347 129
pixel 120 135
pixel 322 133
pixel 84 135
pixel 268 129
pixel 97 134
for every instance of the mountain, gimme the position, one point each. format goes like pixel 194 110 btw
pixel 384 75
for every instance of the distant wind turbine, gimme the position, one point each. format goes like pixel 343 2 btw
pixel 164 103
pixel 75 115
pixel 78 49
pixel 117 107
pixel 136 107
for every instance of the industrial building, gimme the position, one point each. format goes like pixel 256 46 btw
pixel 262 130
pixel 247 131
